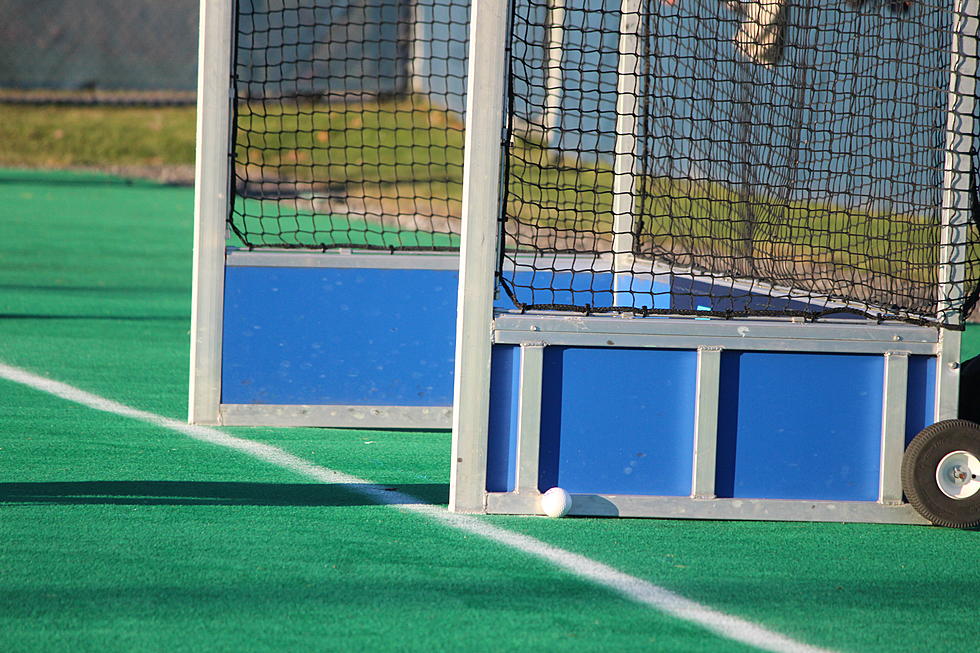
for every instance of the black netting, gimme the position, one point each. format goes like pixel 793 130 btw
pixel 349 123
pixel 775 157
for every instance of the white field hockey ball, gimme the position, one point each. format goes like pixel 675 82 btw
pixel 556 502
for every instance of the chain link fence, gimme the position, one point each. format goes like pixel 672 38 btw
pixel 145 51
pixel 100 51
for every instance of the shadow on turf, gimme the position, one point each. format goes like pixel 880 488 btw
pixel 130 290
pixel 207 493
pixel 125 318
pixel 80 180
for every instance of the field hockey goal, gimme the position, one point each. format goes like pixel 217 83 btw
pixel 732 246
pixel 329 183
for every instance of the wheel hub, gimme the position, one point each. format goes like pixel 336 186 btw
pixel 956 475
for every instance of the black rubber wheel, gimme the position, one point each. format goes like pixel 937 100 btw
pixel 933 469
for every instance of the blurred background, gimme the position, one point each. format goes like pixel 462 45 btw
pixel 104 85
pixel 109 85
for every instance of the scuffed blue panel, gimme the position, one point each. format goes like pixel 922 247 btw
pixel 799 426
pixel 618 421
pixel 504 411
pixel 323 336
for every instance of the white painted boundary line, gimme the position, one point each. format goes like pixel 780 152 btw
pixel 631 587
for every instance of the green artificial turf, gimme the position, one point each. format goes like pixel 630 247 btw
pixel 95 283
pixel 115 535
pixel 971 342
pixel 270 223
pixel 118 536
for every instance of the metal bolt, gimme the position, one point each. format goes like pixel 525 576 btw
pixel 896 338
pixel 534 327
pixel 959 476
pixel 954 365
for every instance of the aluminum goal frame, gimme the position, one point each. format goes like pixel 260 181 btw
pixel 482 329
pixel 214 264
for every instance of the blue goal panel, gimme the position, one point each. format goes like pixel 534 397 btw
pixel 505 380
pixel 618 421
pixel 802 426
pixel 799 426
pixel 338 336
pixel 921 407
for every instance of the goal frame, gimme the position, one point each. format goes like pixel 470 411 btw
pixel 490 342
pixel 218 270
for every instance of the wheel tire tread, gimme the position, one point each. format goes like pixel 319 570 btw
pixel 920 442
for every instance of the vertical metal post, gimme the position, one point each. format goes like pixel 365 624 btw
pixel 957 165
pixel 478 247
pixel 706 400
pixel 529 419
pixel 419 41
pixel 210 208
pixel 948 375
pixel 555 79
pixel 893 416
pixel 956 199
pixel 624 166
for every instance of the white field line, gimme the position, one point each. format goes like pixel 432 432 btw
pixel 634 588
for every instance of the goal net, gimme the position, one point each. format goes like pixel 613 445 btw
pixel 740 158
pixel 348 125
